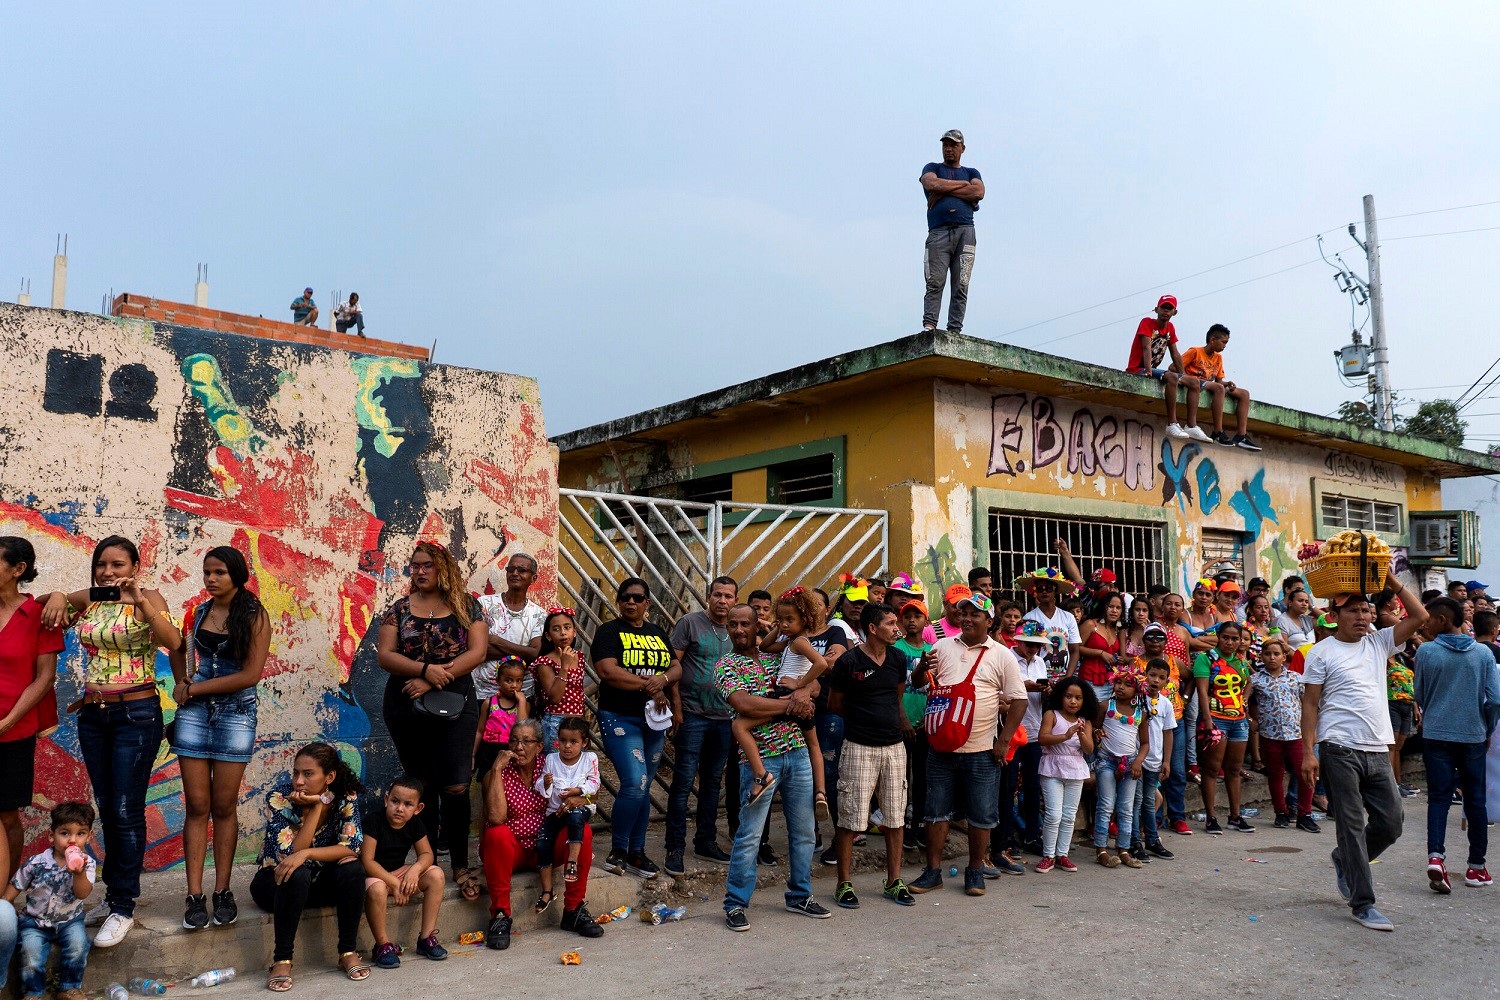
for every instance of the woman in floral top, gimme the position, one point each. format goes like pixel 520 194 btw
pixel 311 857
pixel 431 640
pixel 513 814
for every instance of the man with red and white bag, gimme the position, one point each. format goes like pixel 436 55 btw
pixel 976 682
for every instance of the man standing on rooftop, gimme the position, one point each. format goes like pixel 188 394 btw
pixel 953 195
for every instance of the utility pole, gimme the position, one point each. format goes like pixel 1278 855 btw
pixel 1380 364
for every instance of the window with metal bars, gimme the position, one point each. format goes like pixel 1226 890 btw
pixel 1022 542
pixel 1221 546
pixel 802 481
pixel 1341 512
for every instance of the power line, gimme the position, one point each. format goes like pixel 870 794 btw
pixel 1160 284
pixel 1436 211
pixel 1185 298
pixel 1470 389
pixel 1450 232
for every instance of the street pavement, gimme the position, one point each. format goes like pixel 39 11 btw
pixel 1209 924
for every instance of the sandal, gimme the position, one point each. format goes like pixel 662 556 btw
pixel 543 901
pixel 282 983
pixel 468 883
pixel 356 970
pixel 570 872
pixel 760 785
pixel 820 806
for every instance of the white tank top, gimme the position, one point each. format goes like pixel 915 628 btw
pixel 793 665
pixel 1122 738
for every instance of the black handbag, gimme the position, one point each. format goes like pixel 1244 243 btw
pixel 438 703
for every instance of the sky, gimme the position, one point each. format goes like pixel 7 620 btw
pixel 638 203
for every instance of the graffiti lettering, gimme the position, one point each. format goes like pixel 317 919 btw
pixel 1047 441
pixel 1005 413
pixel 1362 470
pixel 1174 473
pixel 1208 487
pixel 1093 446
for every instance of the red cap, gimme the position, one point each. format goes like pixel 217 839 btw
pixel 1167 300
pixel 1105 576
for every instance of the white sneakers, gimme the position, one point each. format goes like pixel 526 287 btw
pixel 1196 433
pixel 113 931
pixel 1176 431
pixel 95 917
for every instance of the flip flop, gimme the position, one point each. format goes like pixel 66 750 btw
pixel 543 901
pixel 468 883
pixel 820 806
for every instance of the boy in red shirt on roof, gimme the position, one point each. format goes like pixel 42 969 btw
pixel 1154 338
pixel 1203 369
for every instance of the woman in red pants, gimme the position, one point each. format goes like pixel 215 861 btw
pixel 513 814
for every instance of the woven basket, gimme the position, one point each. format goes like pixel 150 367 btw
pixel 1330 575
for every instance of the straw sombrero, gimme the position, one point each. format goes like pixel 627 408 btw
pixel 1028 581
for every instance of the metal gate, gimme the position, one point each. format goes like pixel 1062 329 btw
pixel 678 546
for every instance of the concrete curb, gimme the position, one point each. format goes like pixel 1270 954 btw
pixel 159 947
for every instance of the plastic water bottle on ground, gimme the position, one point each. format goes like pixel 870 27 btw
pixel 1250 811
pixel 117 992
pixel 144 987
pixel 213 977
pixel 661 913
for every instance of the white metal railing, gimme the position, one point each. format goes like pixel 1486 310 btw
pixel 678 546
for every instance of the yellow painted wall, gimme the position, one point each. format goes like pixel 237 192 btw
pixel 921 450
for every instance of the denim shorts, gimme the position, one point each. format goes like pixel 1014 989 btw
pixel 1234 730
pixel 216 728
pixel 1403 717
pixel 970 780
pixel 1155 373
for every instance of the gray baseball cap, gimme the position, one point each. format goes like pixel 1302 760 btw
pixel 955 135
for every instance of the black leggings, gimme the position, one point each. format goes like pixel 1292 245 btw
pixel 439 752
pixel 340 885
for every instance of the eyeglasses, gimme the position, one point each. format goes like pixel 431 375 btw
pixel 632 598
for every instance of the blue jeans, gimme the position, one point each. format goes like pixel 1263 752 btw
pixel 635 750
pixel 794 786
pixel 1144 827
pixel 550 724
pixel 830 744
pixel 1189 724
pixel 72 939
pixel 1176 789
pixel 1115 797
pixel 8 932
pixel 1460 765
pixel 702 750
pixel 119 741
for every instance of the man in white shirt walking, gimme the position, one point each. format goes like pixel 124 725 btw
pixel 1344 712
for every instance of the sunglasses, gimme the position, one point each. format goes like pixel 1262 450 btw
pixel 632 598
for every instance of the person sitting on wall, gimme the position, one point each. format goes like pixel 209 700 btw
pixel 1155 337
pixel 347 314
pixel 1203 370
pixel 304 309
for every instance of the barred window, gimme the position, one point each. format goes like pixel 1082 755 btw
pixel 1020 543
pixel 1340 512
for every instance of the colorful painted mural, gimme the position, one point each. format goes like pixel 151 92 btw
pixel 1101 456
pixel 322 466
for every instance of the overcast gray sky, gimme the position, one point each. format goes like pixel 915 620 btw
pixel 638 206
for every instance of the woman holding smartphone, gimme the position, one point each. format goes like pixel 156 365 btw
pixel 120 626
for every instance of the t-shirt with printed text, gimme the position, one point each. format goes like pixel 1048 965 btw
pixel 644 651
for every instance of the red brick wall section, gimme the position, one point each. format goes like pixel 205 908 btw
pixel 160 310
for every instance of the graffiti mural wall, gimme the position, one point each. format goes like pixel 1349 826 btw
pixel 322 466
pixel 1053 446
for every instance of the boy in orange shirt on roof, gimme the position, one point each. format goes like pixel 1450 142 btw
pixel 1203 369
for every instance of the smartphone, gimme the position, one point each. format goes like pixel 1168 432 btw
pixel 104 595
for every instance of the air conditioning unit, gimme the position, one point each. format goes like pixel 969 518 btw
pixel 1448 538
